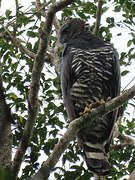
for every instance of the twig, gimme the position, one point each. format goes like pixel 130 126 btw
pixel 119 146
pixel 126 140
pixel 41 8
pixel 98 17
pixel 129 83
pixel 124 24
pixel 86 120
pixel 17 14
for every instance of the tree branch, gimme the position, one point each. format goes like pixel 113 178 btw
pixel 127 141
pixel 17 44
pixel 22 48
pixel 86 120
pixel 35 82
pixel 98 17
pixel 53 57
pixel 132 176
pixel 41 8
pixel 38 4
pixel 17 14
pixel 46 30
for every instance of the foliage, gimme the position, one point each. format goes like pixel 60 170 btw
pixel 52 119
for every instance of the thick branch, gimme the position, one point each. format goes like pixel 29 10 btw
pixel 98 16
pixel 35 83
pixel 45 33
pixel 53 58
pixel 86 120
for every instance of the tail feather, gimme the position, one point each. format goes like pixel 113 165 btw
pixel 96 159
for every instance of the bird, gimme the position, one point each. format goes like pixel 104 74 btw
pixel 90 72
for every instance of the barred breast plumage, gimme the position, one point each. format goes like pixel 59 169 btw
pixel 92 71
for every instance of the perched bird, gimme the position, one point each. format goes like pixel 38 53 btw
pixel 90 71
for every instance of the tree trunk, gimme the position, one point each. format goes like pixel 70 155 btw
pixel 5 134
pixel 5 144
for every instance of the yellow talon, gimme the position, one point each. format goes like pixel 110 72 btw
pixel 101 101
pixel 86 110
pixel 90 106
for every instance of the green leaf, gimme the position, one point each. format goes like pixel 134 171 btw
pixel 8 13
pixel 32 34
pixel 123 73
pixel 129 43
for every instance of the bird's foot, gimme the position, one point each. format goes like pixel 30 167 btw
pixel 87 109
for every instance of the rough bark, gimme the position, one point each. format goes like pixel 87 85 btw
pixel 132 176
pixel 5 131
pixel 99 177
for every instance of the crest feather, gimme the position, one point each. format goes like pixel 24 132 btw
pixel 78 21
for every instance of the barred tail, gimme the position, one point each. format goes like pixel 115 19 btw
pixel 96 159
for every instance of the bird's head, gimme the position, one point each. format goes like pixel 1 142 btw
pixel 71 29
